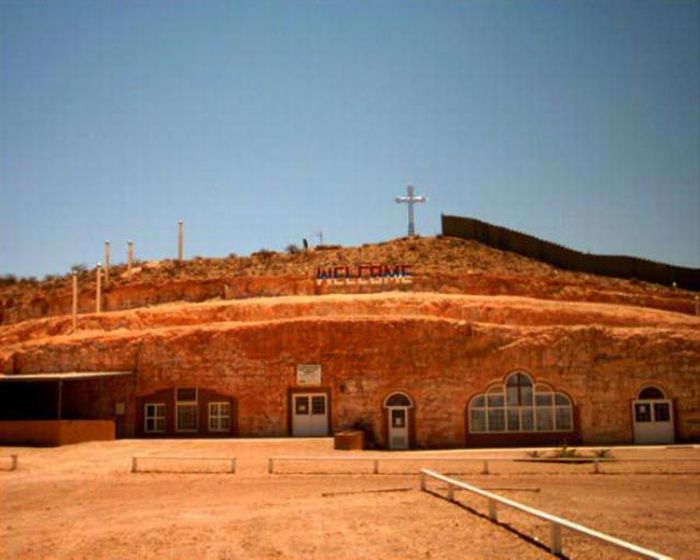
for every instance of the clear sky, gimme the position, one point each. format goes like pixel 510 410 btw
pixel 259 122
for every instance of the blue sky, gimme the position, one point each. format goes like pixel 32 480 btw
pixel 260 122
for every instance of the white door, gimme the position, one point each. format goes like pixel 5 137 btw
pixel 653 421
pixel 398 427
pixel 309 414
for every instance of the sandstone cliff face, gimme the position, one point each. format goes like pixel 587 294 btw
pixel 439 349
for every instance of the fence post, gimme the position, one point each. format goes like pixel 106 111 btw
pixel 596 467
pixel 451 492
pixel 422 481
pixel 485 470
pixel 493 514
pixel 233 465
pixel 376 466
pixel 555 538
pixel 270 466
pixel 134 467
pixel 13 467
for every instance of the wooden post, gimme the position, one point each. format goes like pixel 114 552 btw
pixel 129 257
pixel 107 262
pixel 98 288
pixel 422 481
pixel 134 466
pixel 451 493
pixel 555 538
pixel 270 466
pixel 485 470
pixel 180 243
pixel 493 514
pixel 75 300
pixel 13 467
pixel 233 465
pixel 376 466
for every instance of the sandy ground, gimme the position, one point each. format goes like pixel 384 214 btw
pixel 82 501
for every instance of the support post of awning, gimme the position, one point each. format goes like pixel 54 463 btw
pixel 60 397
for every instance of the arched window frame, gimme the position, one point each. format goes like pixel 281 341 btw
pixel 652 387
pixel 519 405
pixel 396 393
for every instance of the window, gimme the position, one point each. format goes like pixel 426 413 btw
pixel 154 418
pixel 398 399
pixel 520 406
pixel 651 393
pixel 219 416
pixel 186 410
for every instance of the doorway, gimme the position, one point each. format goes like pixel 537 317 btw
pixel 309 414
pixel 397 406
pixel 652 417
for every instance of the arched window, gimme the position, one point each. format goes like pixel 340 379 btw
pixel 519 405
pixel 651 393
pixel 398 399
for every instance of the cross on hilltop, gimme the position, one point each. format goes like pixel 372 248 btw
pixel 410 200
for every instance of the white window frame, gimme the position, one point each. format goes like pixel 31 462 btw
pixel 157 407
pixel 182 404
pixel 215 419
pixel 538 389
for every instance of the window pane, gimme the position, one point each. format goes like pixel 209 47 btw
pixel 513 420
pixel 301 405
pixel 526 396
pixel 397 399
pixel 187 395
pixel 642 412
pixel 479 401
pixel 545 421
pixel 560 398
pixel 563 418
pixel 662 412
pixel 495 399
pixel 526 420
pixel 160 424
pixel 497 420
pixel 512 396
pixel 187 417
pixel 651 393
pixel 318 405
pixel 477 420
pixel 544 399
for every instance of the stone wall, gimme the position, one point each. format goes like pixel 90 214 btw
pixel 439 362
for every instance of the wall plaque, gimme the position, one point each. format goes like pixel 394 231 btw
pixel 308 374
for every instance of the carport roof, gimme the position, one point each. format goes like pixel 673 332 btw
pixel 64 375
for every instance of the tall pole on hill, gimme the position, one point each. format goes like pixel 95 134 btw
pixel 75 300
pixel 410 199
pixel 180 241
pixel 107 262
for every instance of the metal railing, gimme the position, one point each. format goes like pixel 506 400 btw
pixel 555 523
pixel 595 462
pixel 13 462
pixel 231 462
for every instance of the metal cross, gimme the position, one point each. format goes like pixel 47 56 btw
pixel 410 200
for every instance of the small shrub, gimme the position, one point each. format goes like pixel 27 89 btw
pixel 78 268
pixel 602 453
pixel 263 254
pixel 565 452
pixel 293 249
pixel 535 454
pixel 8 280
pixel 327 247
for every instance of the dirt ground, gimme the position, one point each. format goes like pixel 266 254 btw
pixel 83 501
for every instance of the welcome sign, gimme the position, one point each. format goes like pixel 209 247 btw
pixel 364 274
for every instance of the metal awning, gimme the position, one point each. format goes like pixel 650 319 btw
pixel 63 375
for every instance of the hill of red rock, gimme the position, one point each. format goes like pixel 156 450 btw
pixel 438 265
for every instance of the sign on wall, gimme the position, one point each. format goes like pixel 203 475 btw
pixel 364 274
pixel 308 374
